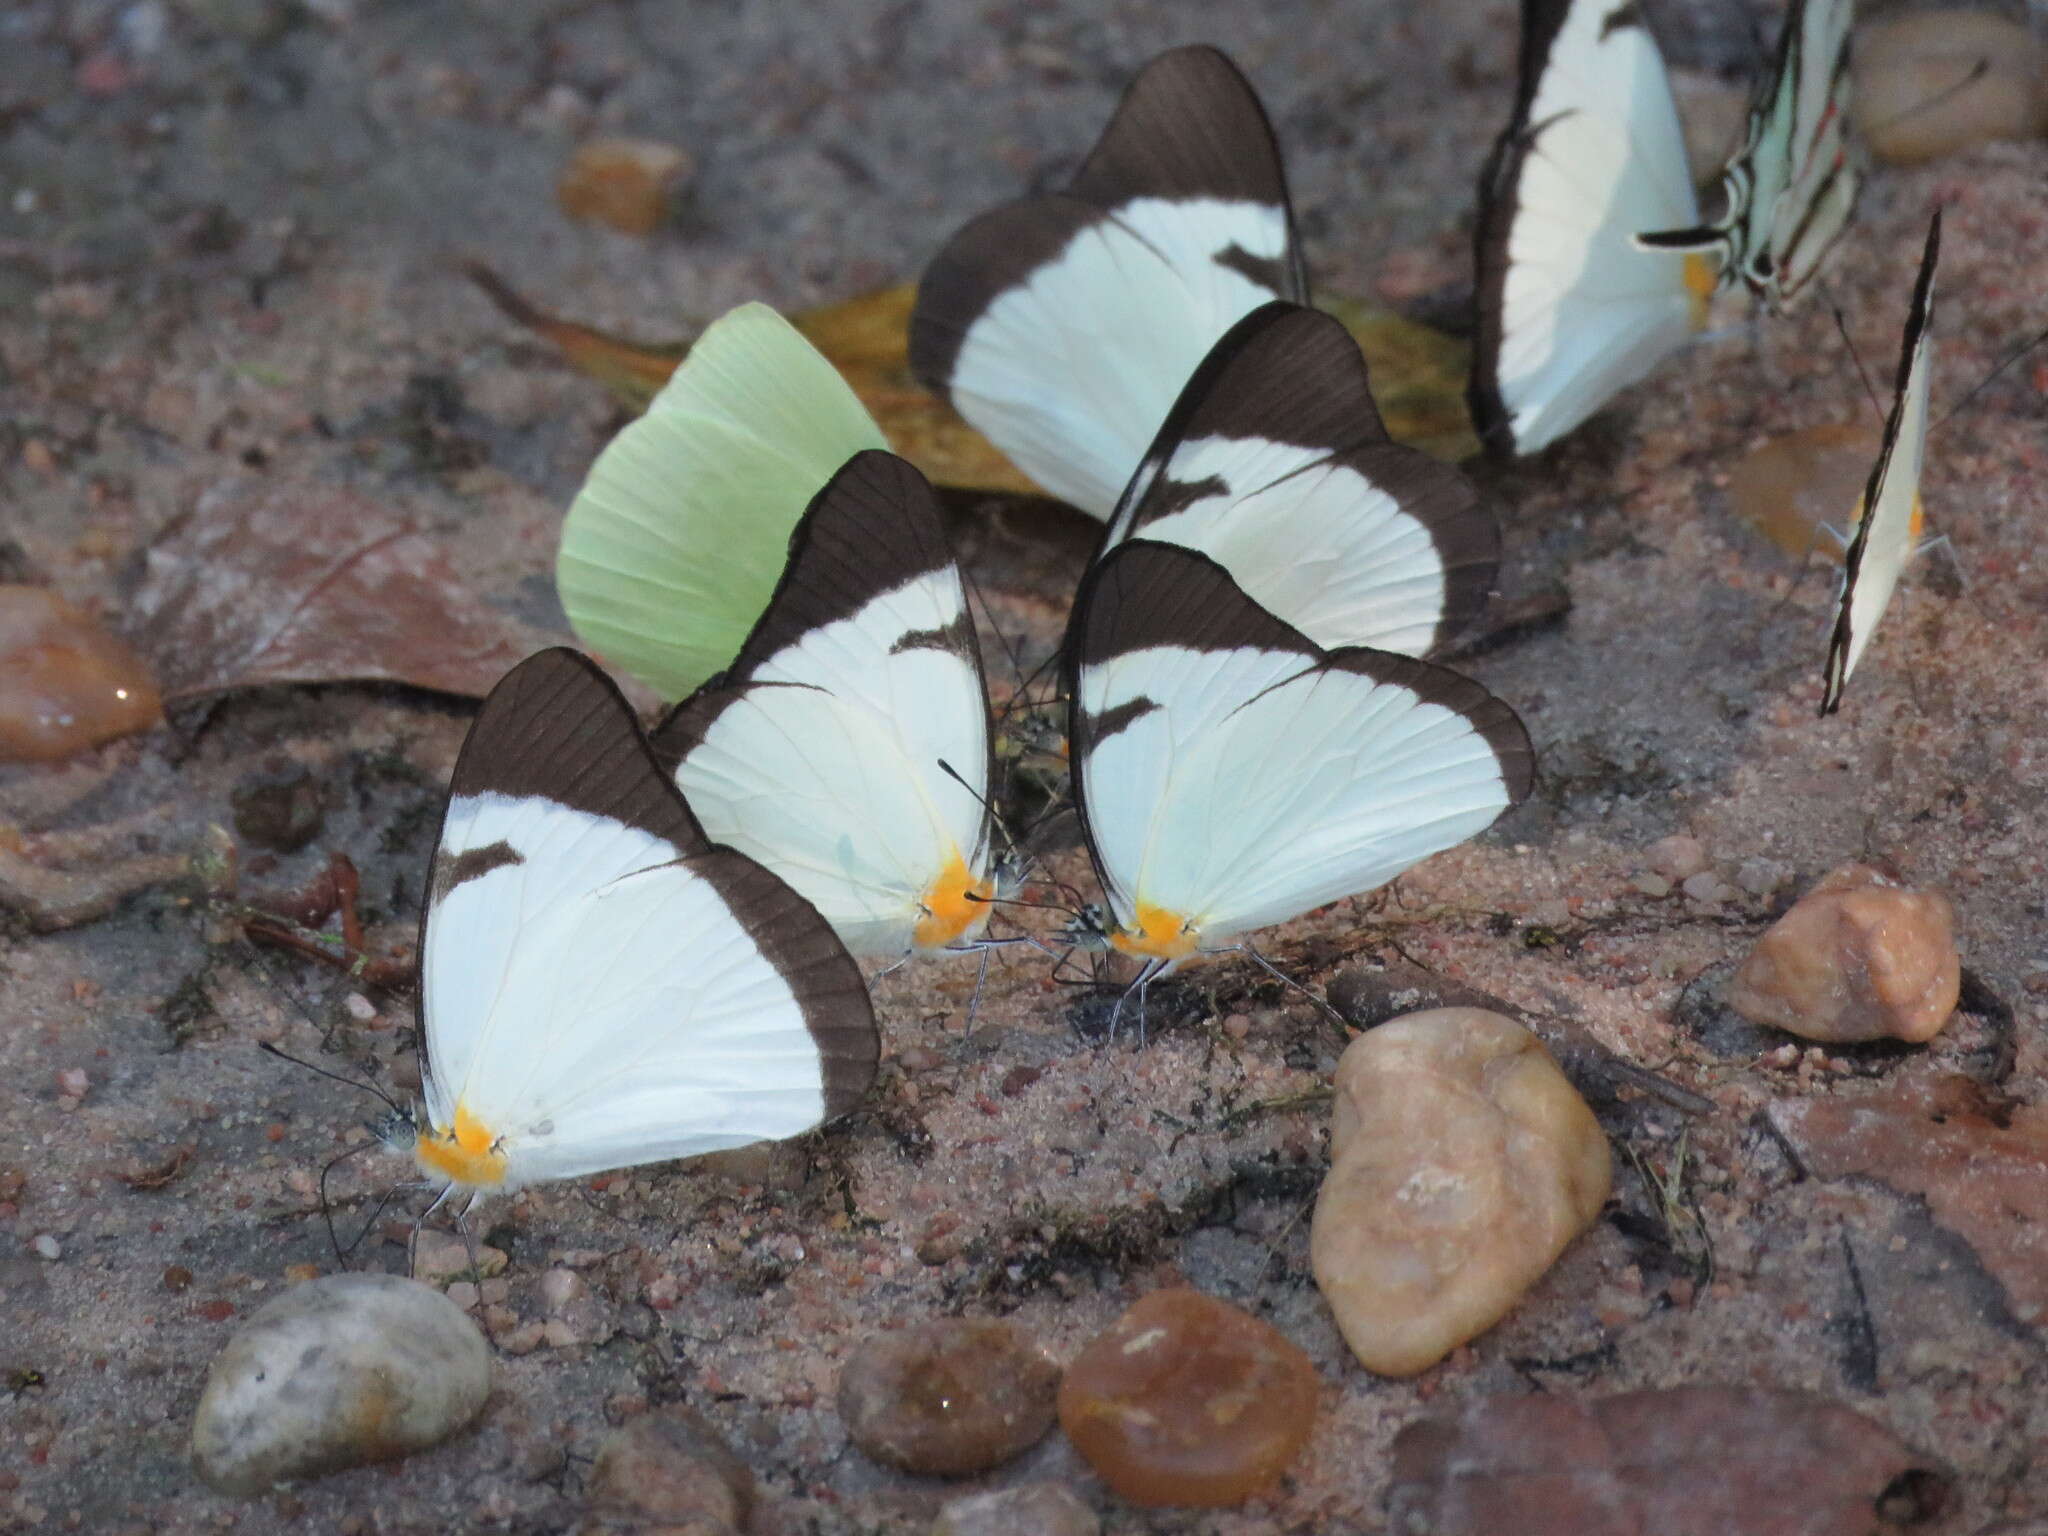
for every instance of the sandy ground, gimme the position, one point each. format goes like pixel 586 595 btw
pixel 226 229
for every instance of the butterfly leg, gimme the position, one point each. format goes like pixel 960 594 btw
pixel 1288 981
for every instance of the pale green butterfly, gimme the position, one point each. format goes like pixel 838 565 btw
pixel 674 545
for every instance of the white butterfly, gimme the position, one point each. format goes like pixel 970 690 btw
pixel 600 986
pixel 1888 531
pixel 1231 774
pixel 1571 309
pixel 1063 327
pixel 1274 463
pixel 847 748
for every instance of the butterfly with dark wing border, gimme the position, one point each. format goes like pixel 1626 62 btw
pixel 1888 527
pixel 1275 464
pixel 1789 191
pixel 1571 309
pixel 600 985
pixel 1231 774
pixel 1063 326
pixel 819 751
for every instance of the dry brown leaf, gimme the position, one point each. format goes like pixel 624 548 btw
pixel 160 1174
pixel 1986 1182
pixel 1418 377
pixel 279 580
pixel 1691 1461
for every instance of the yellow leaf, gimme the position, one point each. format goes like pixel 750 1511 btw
pixel 1418 378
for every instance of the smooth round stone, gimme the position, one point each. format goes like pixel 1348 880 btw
pixel 340 1371
pixel 65 682
pixel 628 184
pixel 1035 1509
pixel 1463 1164
pixel 1931 83
pixel 1186 1400
pixel 670 1468
pixel 1859 957
pixel 950 1397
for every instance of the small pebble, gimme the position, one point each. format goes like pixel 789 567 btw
pixel 359 1007
pixel 1031 1509
pixel 949 1397
pixel 73 1083
pixel 1794 487
pixel 436 1257
pixel 1463 1164
pixel 338 1372
pixel 1189 1401
pixel 1705 887
pixel 1677 858
pixel 670 1466
pixel 1655 886
pixel 65 682
pixel 559 1287
pixel 628 184
pixel 279 806
pixel 47 1247
pixel 1859 957
pixel 1932 82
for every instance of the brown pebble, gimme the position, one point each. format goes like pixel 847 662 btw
pixel 1859 957
pixel 65 682
pixel 279 805
pixel 628 184
pixel 1932 82
pixel 1189 1401
pixel 1463 1164
pixel 671 1465
pixel 949 1397
pixel 1033 1509
pixel 1794 487
pixel 177 1278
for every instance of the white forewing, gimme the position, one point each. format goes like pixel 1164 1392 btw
pixel 1071 372
pixel 826 768
pixel 1261 786
pixel 1892 537
pixel 1311 539
pixel 1584 312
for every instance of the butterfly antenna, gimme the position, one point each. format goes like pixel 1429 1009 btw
pixel 987 805
pixel 1284 979
pixel 988 614
pixel 2014 356
pixel 340 1077
pixel 1870 394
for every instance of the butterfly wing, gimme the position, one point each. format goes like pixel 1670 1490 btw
pixel 599 985
pixel 1233 775
pixel 676 539
pixel 1062 327
pixel 819 753
pixel 1571 309
pixel 1274 463
pixel 1888 530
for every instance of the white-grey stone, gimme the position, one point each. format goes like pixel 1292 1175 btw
pixel 340 1371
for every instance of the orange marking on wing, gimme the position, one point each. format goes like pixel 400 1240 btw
pixel 466 1154
pixel 1160 935
pixel 955 906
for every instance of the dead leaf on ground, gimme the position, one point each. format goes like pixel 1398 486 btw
pixel 1418 377
pixel 160 1174
pixel 1985 1181
pixel 1691 1461
pixel 283 580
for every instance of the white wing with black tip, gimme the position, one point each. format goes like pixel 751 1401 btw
pixel 600 986
pixel 1062 327
pixel 820 752
pixel 1274 463
pixel 1231 774
pixel 1888 532
pixel 1788 193
pixel 1572 310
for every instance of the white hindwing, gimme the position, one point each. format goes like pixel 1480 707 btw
pixel 1071 373
pixel 591 998
pixel 826 768
pixel 1310 539
pixel 1260 786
